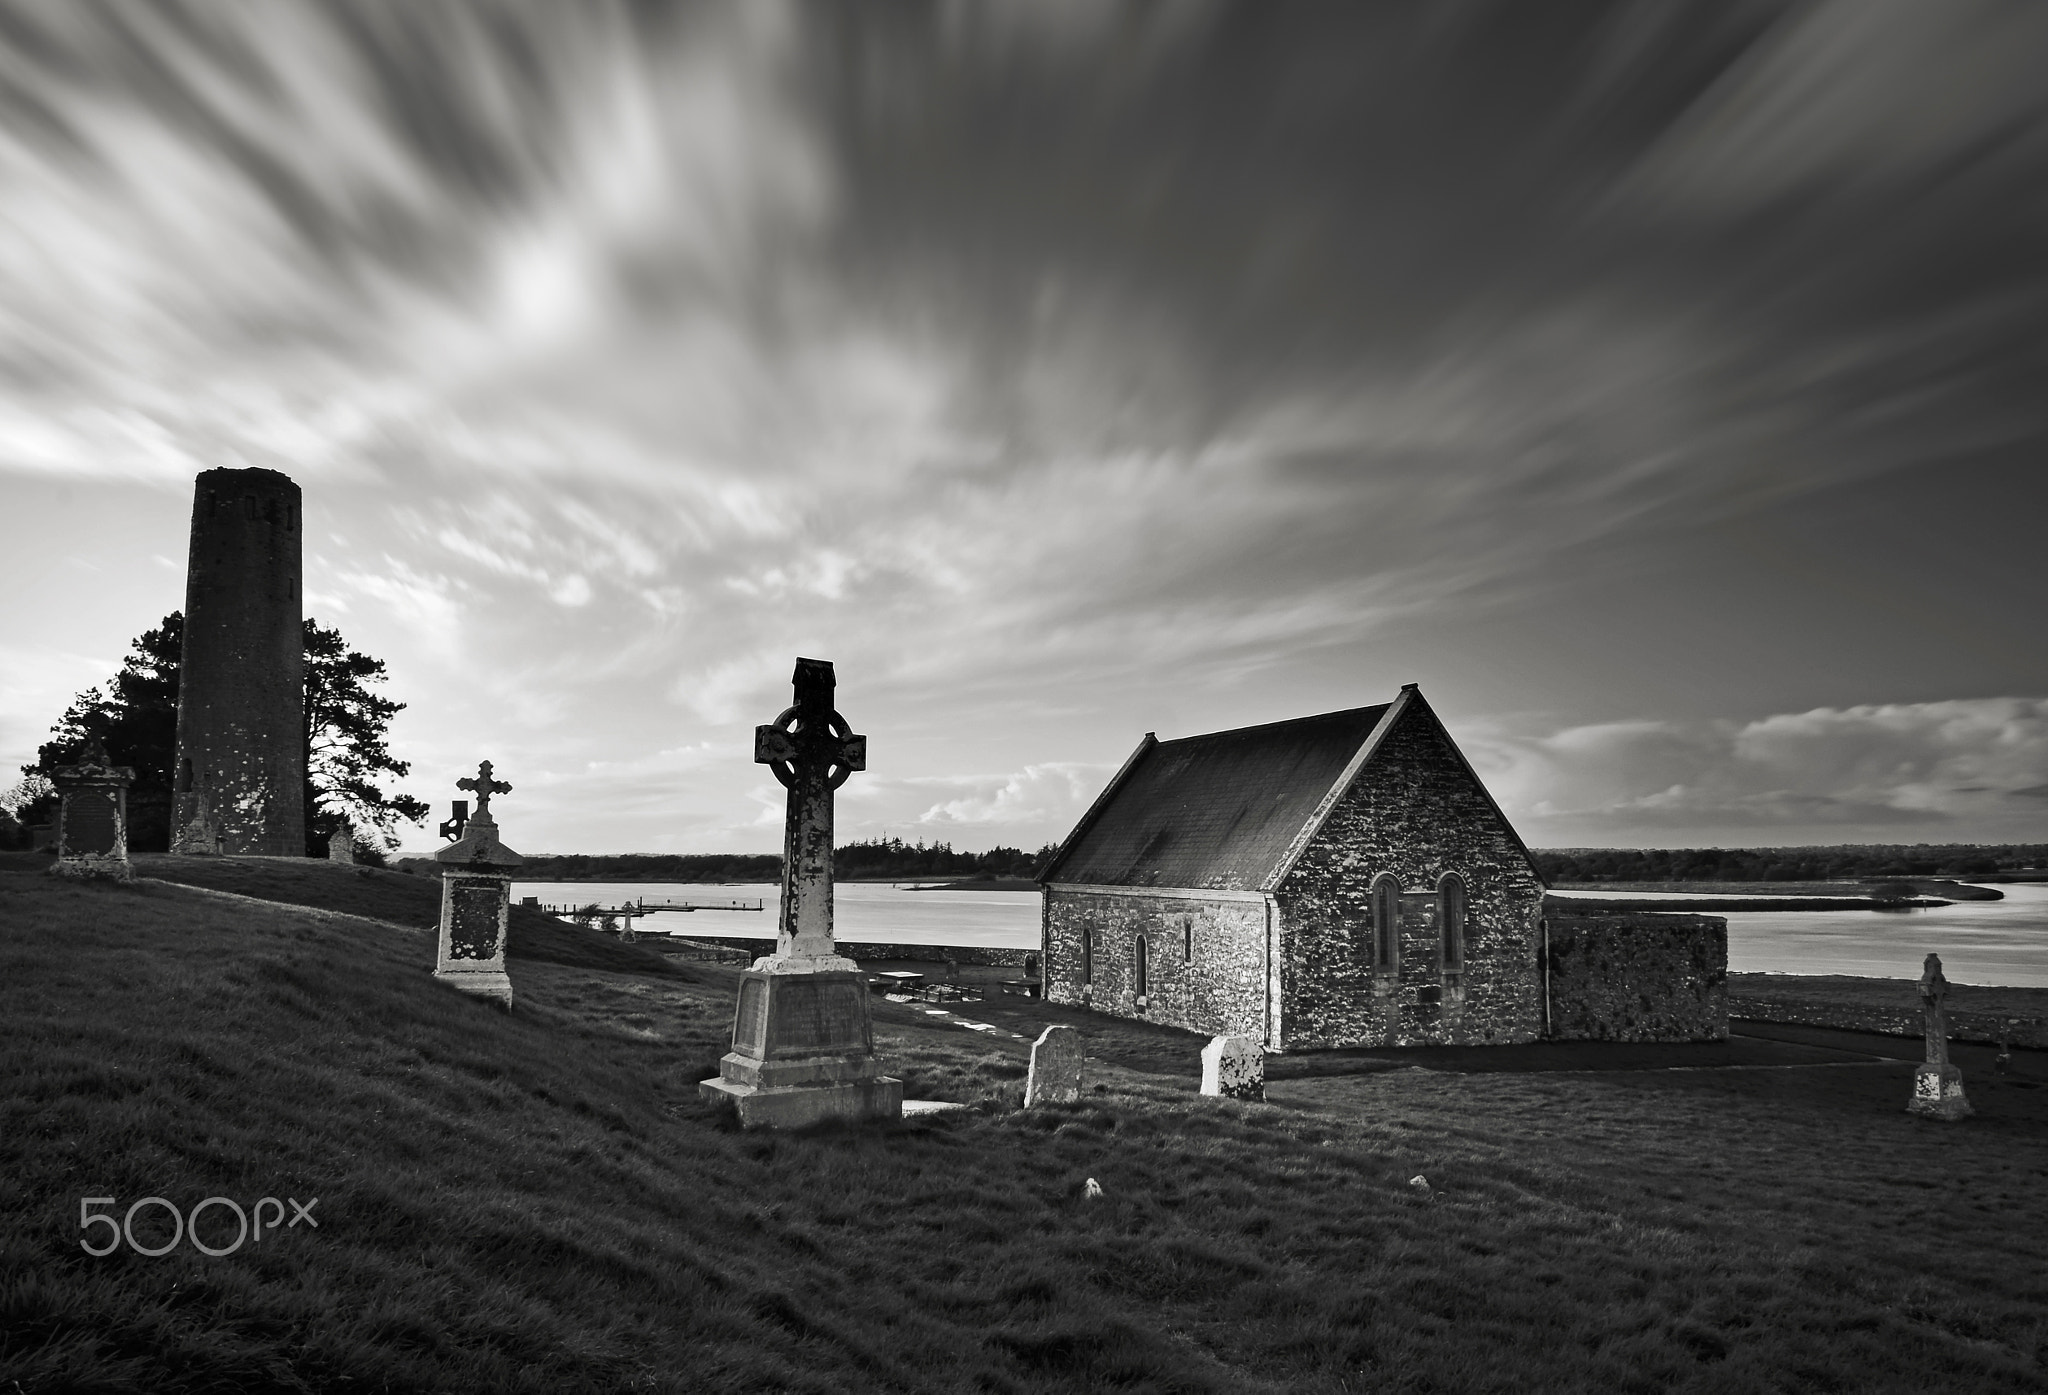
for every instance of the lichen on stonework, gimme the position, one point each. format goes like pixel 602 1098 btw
pixel 94 867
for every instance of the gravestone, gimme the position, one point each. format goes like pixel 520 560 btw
pixel 341 845
pixel 91 827
pixel 1055 1076
pixel 802 1041
pixel 476 899
pixel 1235 1068
pixel 1937 1085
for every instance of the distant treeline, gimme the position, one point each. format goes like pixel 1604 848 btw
pixel 892 857
pixel 1847 862
pixel 878 859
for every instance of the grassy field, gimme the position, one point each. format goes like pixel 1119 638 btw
pixel 538 1201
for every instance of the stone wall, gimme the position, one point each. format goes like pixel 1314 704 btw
pixel 1984 1027
pixel 1638 976
pixel 1416 813
pixel 1205 964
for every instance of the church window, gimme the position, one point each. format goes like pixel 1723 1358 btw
pixel 1386 924
pixel 1087 955
pixel 1450 918
pixel 1141 966
pixel 1187 939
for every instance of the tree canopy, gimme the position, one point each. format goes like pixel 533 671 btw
pixel 345 722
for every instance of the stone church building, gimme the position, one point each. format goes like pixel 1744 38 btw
pixel 1346 880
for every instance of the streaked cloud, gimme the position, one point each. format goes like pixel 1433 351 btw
pixel 1049 366
pixel 1904 772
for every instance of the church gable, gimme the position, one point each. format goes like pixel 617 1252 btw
pixel 1366 954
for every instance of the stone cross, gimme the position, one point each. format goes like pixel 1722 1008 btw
pixel 476 896
pixel 1933 992
pixel 811 751
pixel 485 787
pixel 1937 1085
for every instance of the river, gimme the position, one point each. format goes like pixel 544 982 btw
pixel 1986 942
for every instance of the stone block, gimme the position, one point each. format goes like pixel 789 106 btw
pixel 1938 1094
pixel 471 955
pixel 803 1051
pixel 793 1106
pixel 1055 1075
pixel 1235 1068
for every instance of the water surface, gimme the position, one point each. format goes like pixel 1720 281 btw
pixel 1988 942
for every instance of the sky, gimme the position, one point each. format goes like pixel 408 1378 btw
pixel 1658 386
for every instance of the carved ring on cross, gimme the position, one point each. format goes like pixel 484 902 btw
pixel 848 752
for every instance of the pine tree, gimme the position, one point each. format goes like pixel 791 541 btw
pixel 346 746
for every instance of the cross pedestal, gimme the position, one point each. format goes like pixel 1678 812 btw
pixel 1937 1085
pixel 476 899
pixel 802 1039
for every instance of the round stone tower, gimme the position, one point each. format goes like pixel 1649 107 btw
pixel 241 772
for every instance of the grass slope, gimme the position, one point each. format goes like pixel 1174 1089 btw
pixel 537 1201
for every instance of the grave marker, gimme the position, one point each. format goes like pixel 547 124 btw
pixel 1055 1076
pixel 802 1042
pixel 1937 1085
pixel 476 899
pixel 341 845
pixel 91 827
pixel 1235 1068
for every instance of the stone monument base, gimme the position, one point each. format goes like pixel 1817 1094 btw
pixel 802 1050
pixel 480 983
pixel 793 1106
pixel 94 868
pixel 1938 1093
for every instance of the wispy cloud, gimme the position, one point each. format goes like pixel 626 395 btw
pixel 636 350
pixel 1901 771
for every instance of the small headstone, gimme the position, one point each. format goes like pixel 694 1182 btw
pixel 341 845
pixel 1937 1085
pixel 1235 1068
pixel 1055 1076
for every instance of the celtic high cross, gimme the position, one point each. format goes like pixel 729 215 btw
pixel 812 750
pixel 485 787
pixel 1933 1004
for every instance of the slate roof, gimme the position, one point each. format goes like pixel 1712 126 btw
pixel 1217 811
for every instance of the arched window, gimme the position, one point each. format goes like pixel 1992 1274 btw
pixel 1450 919
pixel 1141 966
pixel 1386 925
pixel 1087 955
pixel 1187 939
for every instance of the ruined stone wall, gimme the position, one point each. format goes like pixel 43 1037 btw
pixel 1638 976
pixel 1205 958
pixel 1417 813
pixel 239 778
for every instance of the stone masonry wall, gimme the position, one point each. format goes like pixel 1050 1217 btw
pixel 1220 987
pixel 1638 977
pixel 1417 813
pixel 239 778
